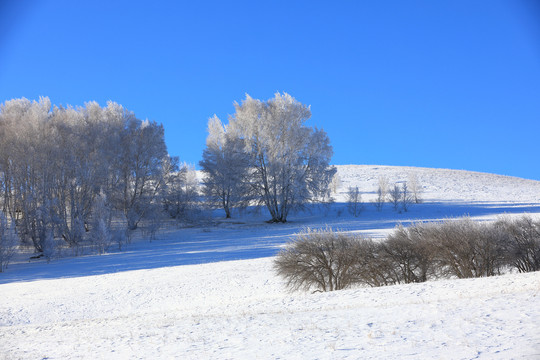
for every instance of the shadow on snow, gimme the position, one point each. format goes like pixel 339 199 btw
pixel 248 239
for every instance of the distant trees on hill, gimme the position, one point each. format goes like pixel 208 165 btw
pixel 401 197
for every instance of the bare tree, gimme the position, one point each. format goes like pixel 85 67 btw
pixel 406 197
pixel 354 201
pixel 395 196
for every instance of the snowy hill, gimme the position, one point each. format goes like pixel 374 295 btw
pixel 148 302
pixel 443 184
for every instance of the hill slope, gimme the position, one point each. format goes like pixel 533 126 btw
pixel 147 303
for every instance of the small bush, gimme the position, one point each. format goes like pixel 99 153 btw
pixel 465 249
pixel 322 259
pixel 523 243
pixel 409 254
pixel 462 248
pixel 373 268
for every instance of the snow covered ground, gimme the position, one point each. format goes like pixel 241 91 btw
pixel 176 298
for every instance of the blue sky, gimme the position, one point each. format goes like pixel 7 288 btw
pixel 447 84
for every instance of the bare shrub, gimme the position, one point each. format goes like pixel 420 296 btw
pixel 373 268
pixel 409 254
pixel 326 260
pixel 523 245
pixel 465 249
pixel 320 259
pixel 406 197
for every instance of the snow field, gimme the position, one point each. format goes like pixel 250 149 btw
pixel 141 304
pixel 239 309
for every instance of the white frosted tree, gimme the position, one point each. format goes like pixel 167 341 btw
pixel 225 165
pixel 54 161
pixel 100 234
pixel 8 241
pixel 289 161
pixel 335 184
pixel 181 200
pixel 382 192
pixel 29 141
pixel 140 176
pixel 415 188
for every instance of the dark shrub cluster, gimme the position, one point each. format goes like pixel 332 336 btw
pixel 321 259
pixel 327 260
pixel 522 249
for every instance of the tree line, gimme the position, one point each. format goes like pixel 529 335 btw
pixel 66 173
pixel 77 176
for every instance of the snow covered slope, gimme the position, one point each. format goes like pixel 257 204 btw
pixel 239 310
pixel 442 184
pixel 148 302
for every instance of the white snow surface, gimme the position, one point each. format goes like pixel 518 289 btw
pixel 176 298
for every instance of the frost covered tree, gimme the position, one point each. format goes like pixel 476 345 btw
pixel 225 165
pixel 289 162
pixel 140 173
pixel 29 141
pixel 382 192
pixel 415 188
pixel 335 184
pixel 181 198
pixel 55 161
pixel 100 234
pixel 8 241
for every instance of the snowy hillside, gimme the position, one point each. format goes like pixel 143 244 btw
pixel 443 184
pixel 176 298
pixel 238 310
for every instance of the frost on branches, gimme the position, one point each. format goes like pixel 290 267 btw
pixel 288 161
pixel 55 162
pixel 225 165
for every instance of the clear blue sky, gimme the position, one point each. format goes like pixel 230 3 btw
pixel 449 84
